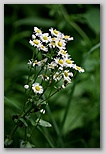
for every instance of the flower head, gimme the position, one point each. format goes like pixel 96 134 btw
pixel 54 32
pixel 57 76
pixel 81 70
pixel 37 88
pixel 37 31
pixel 45 37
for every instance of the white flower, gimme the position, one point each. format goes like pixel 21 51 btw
pixel 57 76
pixel 81 70
pixel 43 48
pixel 68 62
pixel 52 65
pixel 67 75
pixel 54 32
pixel 37 88
pixel 45 37
pixel 26 86
pixel 68 38
pixel 35 43
pixel 59 61
pixel 37 31
pixel 63 53
pixel 60 44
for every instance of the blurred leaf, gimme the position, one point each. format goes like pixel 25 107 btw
pixel 44 123
pixel 23 121
pixel 25 144
pixel 32 121
pixel 10 103
pixel 8 142
pixel 37 21
pixel 93 18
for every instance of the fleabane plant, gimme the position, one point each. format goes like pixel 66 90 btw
pixel 51 70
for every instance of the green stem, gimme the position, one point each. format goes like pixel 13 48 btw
pixel 35 127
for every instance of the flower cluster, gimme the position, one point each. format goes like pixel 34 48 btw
pixel 54 62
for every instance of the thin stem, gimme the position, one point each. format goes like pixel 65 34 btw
pixel 35 126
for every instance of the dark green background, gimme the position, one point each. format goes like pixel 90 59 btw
pixel 81 127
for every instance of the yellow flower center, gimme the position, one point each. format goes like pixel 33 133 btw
pixel 56 75
pixel 35 62
pixel 66 36
pixel 63 52
pixel 68 61
pixel 59 44
pixel 45 38
pixel 36 42
pixel 53 39
pixel 52 43
pixel 38 31
pixel 55 31
pixel 42 47
pixel 37 88
pixel 66 74
pixel 60 61
pixel 78 68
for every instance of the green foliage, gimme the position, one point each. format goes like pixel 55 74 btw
pixel 73 113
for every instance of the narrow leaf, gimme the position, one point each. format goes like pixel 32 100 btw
pixel 23 121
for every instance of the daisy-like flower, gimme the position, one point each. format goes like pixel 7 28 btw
pixel 63 53
pixel 37 88
pixel 68 62
pixel 67 75
pixel 81 70
pixel 57 76
pixel 43 48
pixel 67 37
pixel 45 37
pixel 52 44
pixel 35 43
pixel 39 63
pixel 60 44
pixel 52 65
pixel 59 61
pixel 54 32
pixel 37 31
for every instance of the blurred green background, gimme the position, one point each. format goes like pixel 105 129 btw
pixel 74 112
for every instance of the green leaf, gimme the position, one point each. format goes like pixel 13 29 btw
pixel 32 121
pixel 8 142
pixel 35 21
pixel 93 19
pixel 25 144
pixel 23 121
pixel 44 123
pixel 10 103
